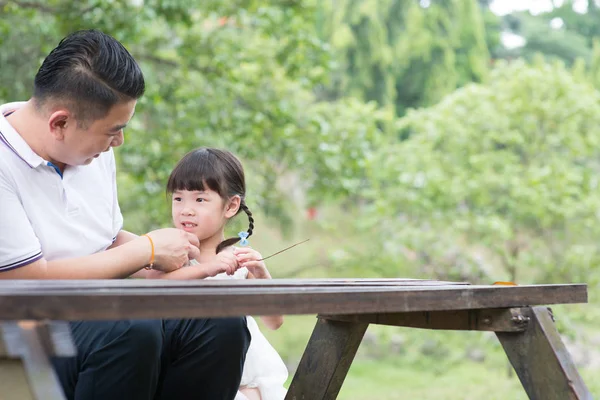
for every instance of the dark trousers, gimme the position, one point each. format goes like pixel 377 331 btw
pixel 155 359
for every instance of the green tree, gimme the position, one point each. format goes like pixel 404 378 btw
pixel 572 40
pixel 497 181
pixel 235 74
pixel 562 43
pixel 401 54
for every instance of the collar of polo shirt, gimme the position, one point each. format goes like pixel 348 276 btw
pixel 14 141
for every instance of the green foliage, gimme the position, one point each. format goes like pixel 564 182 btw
pixel 506 171
pixel 573 40
pixel 583 24
pixel 497 180
pixel 554 43
pixel 234 74
pixel 403 55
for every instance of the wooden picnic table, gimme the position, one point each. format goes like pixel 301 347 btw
pixel 33 327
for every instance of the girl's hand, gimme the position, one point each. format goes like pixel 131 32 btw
pixel 249 258
pixel 225 261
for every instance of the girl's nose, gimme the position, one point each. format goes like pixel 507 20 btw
pixel 187 211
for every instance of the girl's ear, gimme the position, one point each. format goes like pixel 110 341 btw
pixel 233 206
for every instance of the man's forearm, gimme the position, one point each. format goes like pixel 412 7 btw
pixel 126 237
pixel 115 263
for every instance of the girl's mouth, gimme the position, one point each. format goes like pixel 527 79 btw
pixel 187 226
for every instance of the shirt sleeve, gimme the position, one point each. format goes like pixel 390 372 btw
pixel 117 216
pixel 19 246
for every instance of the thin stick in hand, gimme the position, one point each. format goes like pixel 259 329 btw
pixel 281 251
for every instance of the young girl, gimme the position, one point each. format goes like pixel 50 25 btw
pixel 208 189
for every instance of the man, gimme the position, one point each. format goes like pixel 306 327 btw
pixel 60 219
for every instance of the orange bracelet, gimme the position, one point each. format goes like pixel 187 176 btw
pixel 151 264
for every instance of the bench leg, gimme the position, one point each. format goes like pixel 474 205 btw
pixel 541 360
pixel 13 380
pixel 326 360
pixel 30 342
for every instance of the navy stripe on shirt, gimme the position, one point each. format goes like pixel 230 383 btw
pixel 21 263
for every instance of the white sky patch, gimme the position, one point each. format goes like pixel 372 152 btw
pixel 511 41
pixel 503 7
pixel 557 23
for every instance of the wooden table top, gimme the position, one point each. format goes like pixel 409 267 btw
pixel 136 299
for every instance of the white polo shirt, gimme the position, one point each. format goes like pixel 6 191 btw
pixel 44 214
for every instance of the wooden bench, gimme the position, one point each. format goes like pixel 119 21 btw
pixel 32 315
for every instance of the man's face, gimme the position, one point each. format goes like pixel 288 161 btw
pixel 81 144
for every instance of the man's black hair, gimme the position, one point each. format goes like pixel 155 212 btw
pixel 88 72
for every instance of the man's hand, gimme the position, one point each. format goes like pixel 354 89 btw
pixel 173 248
pixel 249 258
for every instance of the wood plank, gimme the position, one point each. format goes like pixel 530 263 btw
pixel 54 336
pixel 159 283
pixel 326 360
pixel 115 303
pixel 496 320
pixel 541 360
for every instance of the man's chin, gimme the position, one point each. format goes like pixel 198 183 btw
pixel 89 160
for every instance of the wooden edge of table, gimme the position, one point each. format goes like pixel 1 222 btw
pixel 97 304
pixel 161 283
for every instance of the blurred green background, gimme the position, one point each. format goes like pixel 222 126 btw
pixel 454 139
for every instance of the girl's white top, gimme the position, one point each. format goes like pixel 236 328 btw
pixel 263 369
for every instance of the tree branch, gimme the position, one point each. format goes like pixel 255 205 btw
pixel 173 64
pixel 158 60
pixel 31 5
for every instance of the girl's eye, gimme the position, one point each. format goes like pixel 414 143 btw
pixel 200 200
pixel 176 198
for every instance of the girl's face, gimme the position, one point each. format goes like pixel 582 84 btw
pixel 202 213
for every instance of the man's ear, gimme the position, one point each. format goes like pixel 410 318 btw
pixel 233 206
pixel 58 123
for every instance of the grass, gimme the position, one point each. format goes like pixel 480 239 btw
pixel 426 364
pixel 370 379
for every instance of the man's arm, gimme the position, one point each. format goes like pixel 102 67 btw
pixel 180 274
pixel 123 237
pixel 173 247
pixel 118 262
pixel 21 252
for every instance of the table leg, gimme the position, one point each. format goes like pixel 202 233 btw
pixel 326 360
pixel 541 360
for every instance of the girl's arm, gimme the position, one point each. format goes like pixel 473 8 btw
pixel 199 271
pixel 272 322
pixel 223 262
